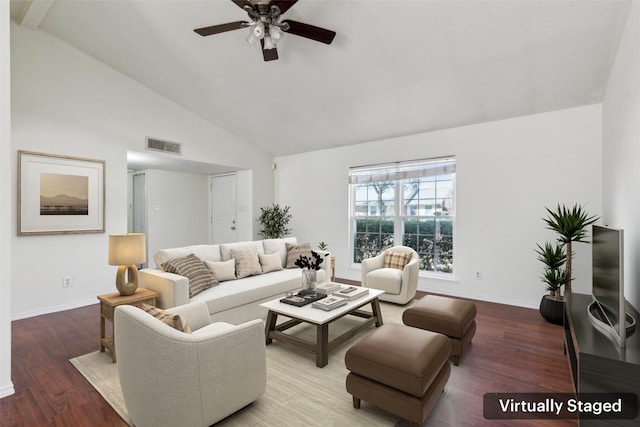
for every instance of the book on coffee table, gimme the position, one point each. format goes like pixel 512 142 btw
pixel 352 292
pixel 328 288
pixel 329 303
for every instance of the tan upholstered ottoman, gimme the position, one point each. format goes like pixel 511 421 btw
pixel 399 369
pixel 449 316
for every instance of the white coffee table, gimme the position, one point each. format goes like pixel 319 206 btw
pixel 321 319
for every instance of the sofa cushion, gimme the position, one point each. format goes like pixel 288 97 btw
pixel 396 259
pixel 225 248
pixel 193 268
pixel 385 279
pixel 270 262
pixel 247 261
pixel 204 252
pixel 222 270
pixel 230 295
pixel 176 321
pixel 294 252
pixel 279 246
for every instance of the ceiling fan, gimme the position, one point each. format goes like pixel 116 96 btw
pixel 266 26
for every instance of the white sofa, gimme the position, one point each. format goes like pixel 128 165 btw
pixel 233 301
pixel 172 378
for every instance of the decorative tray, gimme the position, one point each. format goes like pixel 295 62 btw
pixel 302 300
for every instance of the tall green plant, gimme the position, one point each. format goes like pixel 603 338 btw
pixel 555 276
pixel 571 226
pixel 274 220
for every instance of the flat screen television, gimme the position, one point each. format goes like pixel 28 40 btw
pixel 607 311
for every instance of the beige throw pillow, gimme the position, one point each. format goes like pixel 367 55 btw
pixel 294 252
pixel 176 321
pixel 396 259
pixel 270 262
pixel 191 267
pixel 247 262
pixel 222 270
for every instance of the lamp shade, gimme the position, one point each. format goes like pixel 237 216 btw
pixel 127 249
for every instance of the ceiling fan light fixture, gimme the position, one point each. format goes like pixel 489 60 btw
pixel 258 30
pixel 275 33
pixel 252 39
pixel 266 27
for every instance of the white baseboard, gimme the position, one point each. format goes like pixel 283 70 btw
pixel 452 292
pixel 54 309
pixel 7 390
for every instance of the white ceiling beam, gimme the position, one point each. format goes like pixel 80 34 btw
pixel 34 12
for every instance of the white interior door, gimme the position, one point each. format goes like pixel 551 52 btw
pixel 223 209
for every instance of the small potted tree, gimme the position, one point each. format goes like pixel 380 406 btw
pixel 555 277
pixel 571 226
pixel 274 220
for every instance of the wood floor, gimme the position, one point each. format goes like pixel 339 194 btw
pixel 514 350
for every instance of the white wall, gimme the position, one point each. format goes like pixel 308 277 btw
pixel 6 213
pixel 66 102
pixel 178 210
pixel 621 150
pixel 507 172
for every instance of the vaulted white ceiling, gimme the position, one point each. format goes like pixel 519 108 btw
pixel 395 68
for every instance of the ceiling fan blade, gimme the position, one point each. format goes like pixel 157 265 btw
pixel 242 3
pixel 216 29
pixel 283 5
pixel 308 31
pixel 268 54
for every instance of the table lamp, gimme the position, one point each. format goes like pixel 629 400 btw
pixel 125 251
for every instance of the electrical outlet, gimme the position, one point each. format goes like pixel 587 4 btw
pixel 478 275
pixel 67 282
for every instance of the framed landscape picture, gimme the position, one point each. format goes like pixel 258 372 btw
pixel 59 194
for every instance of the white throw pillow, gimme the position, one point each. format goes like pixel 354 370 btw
pixel 222 270
pixel 279 245
pixel 270 262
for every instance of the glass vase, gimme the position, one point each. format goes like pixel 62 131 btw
pixel 309 281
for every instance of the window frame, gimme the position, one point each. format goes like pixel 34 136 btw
pixel 399 216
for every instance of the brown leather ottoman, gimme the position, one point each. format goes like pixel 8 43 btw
pixel 399 369
pixel 449 316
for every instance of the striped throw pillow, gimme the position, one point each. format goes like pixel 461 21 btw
pixel 191 267
pixel 176 321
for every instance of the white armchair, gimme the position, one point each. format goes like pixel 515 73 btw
pixel 171 378
pixel 399 286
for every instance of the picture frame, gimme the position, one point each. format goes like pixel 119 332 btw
pixel 60 194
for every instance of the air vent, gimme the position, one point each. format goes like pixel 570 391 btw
pixel 164 146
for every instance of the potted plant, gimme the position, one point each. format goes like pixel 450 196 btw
pixel 274 220
pixel 571 226
pixel 555 276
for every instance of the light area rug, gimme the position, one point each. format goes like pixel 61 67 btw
pixel 298 393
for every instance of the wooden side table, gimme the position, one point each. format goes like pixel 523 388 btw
pixel 108 304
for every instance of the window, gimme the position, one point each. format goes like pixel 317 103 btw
pixel 410 204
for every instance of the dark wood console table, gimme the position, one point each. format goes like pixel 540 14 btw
pixel 597 364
